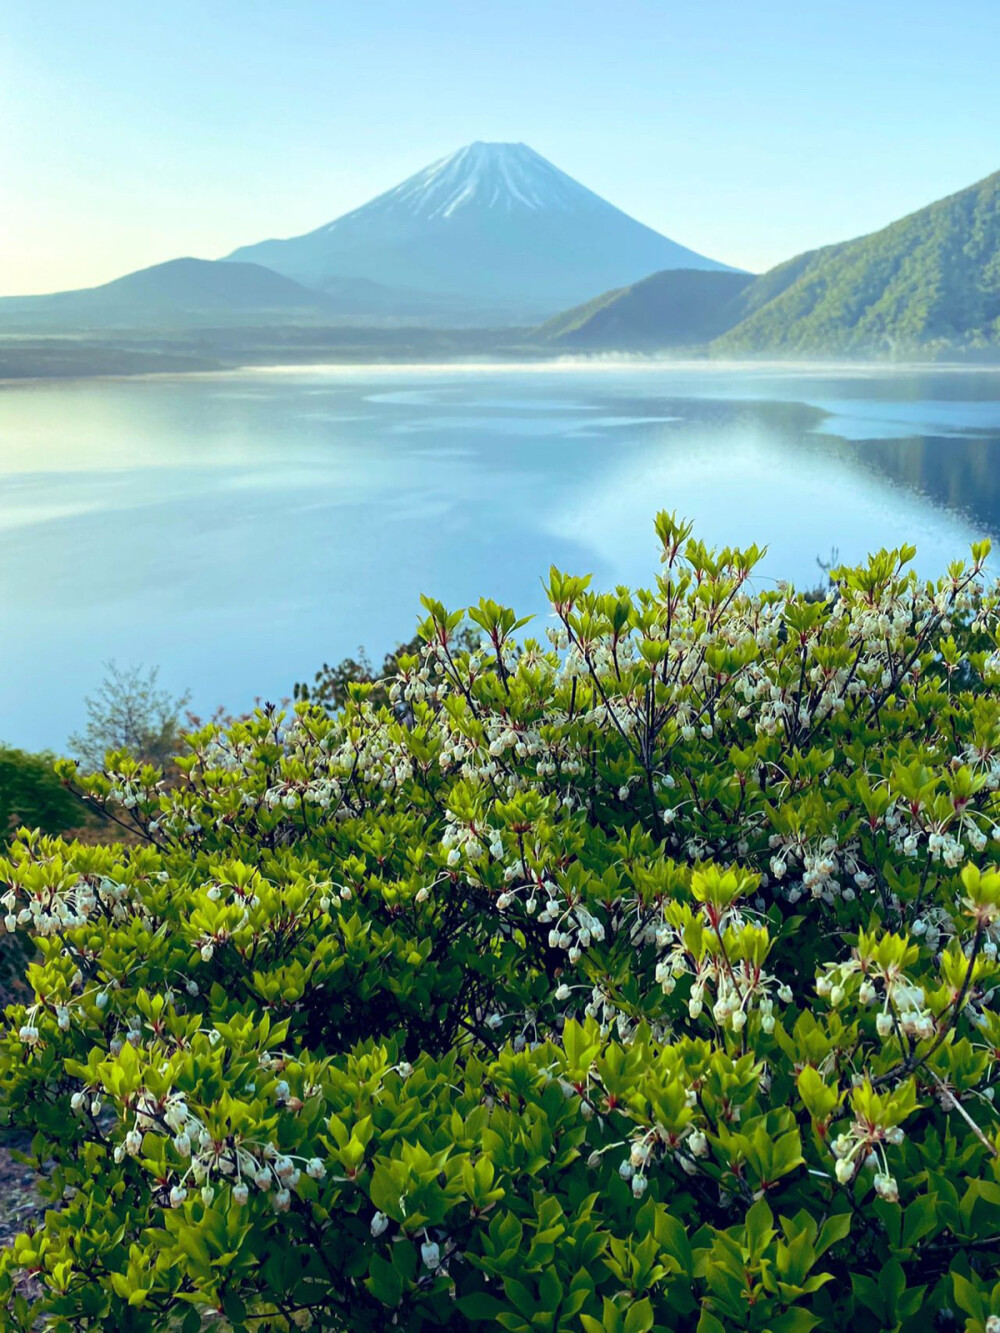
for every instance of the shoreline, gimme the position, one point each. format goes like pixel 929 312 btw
pixel 521 362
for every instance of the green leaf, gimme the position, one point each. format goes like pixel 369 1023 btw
pixel 795 1320
pixel 639 1318
pixel 480 1307
pixel 383 1281
pixel 709 1324
pixel 969 1297
pixel 919 1220
pixel 834 1229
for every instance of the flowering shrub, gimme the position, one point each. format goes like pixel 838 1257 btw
pixel 643 978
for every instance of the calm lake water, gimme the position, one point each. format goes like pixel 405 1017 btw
pixel 240 529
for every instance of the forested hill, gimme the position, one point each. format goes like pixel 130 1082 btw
pixel 929 283
pixel 672 308
pixel 930 280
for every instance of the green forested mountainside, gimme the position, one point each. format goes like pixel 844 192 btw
pixel 675 307
pixel 931 280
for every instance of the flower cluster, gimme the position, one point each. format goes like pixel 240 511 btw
pixel 654 931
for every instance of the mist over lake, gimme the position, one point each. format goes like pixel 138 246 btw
pixel 241 529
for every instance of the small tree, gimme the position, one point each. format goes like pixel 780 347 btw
pixel 129 712
pixel 32 794
pixel 331 684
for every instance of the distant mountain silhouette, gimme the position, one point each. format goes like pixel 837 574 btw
pixel 496 234
pixel 675 308
pixel 494 224
pixel 177 292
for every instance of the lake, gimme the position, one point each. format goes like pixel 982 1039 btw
pixel 240 529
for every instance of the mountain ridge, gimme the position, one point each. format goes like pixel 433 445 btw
pixel 929 279
pixel 499 230
pixel 677 307
pixel 928 282
pixel 176 288
pixel 496 223
pixel 189 290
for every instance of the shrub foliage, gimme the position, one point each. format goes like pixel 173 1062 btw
pixel 641 977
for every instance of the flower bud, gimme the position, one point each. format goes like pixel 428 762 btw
pixel 887 1188
pixel 844 1170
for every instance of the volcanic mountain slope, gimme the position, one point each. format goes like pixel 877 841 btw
pixel 494 225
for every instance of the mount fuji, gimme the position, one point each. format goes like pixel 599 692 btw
pixel 495 225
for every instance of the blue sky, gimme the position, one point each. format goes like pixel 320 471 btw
pixel 750 131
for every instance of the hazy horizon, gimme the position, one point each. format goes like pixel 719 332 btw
pixel 749 139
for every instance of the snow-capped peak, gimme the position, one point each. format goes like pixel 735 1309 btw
pixel 492 226
pixel 507 177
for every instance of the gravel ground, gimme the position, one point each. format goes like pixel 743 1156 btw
pixel 19 1201
pixel 20 1204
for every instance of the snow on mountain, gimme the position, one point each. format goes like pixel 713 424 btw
pixel 495 225
pixel 506 176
